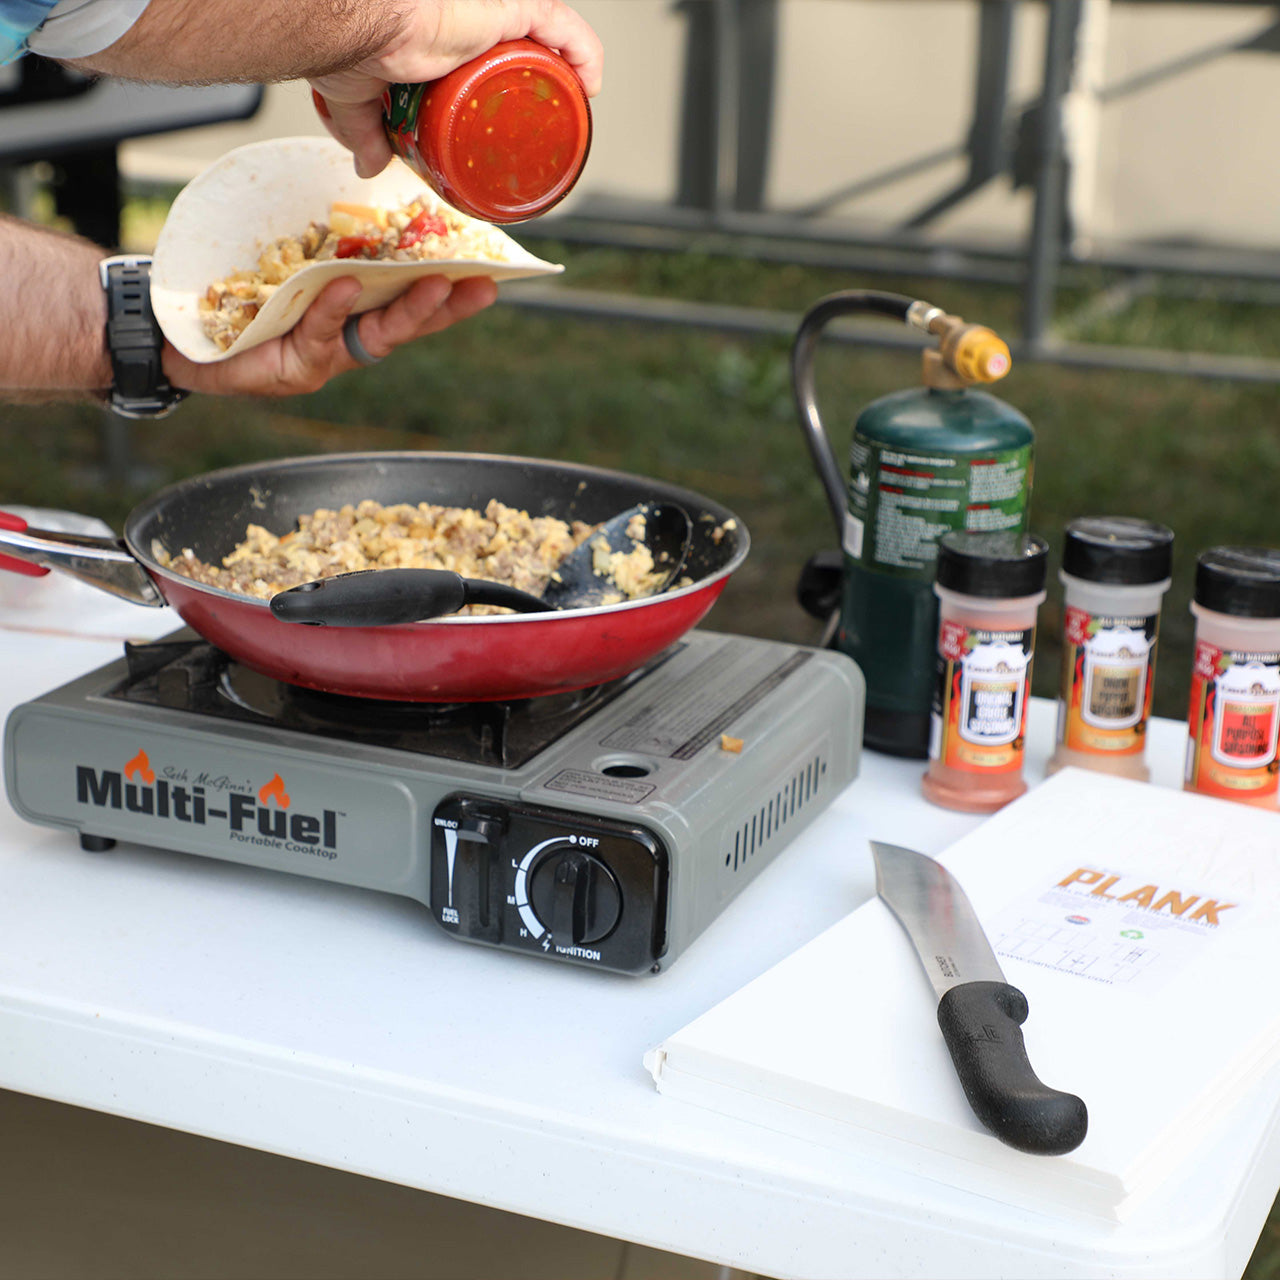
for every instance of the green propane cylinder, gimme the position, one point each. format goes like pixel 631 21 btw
pixel 923 461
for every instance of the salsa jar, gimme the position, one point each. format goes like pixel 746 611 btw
pixel 502 138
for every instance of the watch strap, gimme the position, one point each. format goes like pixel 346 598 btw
pixel 134 341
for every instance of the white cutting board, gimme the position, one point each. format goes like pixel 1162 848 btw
pixel 1158 1021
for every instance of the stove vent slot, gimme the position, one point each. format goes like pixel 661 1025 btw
pixel 790 799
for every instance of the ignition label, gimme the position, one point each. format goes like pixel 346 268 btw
pixel 600 786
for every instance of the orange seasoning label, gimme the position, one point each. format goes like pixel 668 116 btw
pixel 1105 696
pixel 1234 723
pixel 980 699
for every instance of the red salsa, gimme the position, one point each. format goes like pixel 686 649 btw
pixel 502 138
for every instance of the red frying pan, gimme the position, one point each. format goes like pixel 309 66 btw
pixel 456 659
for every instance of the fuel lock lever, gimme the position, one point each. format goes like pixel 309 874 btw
pixel 474 881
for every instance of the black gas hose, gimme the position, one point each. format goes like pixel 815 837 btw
pixel 896 306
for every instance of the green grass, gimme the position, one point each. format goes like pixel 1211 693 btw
pixel 713 412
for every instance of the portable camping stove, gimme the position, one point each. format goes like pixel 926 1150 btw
pixel 606 827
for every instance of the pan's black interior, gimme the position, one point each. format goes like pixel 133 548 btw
pixel 209 513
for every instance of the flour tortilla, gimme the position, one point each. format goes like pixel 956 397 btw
pixel 224 218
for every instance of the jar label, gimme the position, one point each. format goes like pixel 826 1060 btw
pixel 1104 697
pixel 980 700
pixel 400 106
pixel 901 502
pixel 1234 723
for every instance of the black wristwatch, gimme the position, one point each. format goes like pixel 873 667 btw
pixel 134 341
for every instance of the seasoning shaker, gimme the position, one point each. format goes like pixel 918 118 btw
pixel 1233 722
pixel 989 586
pixel 1115 571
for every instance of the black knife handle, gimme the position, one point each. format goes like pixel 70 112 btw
pixel 982 1025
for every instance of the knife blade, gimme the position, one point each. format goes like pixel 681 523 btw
pixel 980 1014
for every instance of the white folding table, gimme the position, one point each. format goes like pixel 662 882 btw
pixel 341 1027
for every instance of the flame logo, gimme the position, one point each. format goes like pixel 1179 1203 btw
pixel 274 790
pixel 141 766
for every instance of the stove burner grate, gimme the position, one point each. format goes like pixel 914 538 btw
pixel 194 676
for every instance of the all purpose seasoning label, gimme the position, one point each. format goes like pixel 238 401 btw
pixel 1106 681
pixel 980 700
pixel 901 503
pixel 1234 723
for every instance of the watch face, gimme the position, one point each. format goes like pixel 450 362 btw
pixel 157 406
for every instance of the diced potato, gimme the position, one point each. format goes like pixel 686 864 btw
pixel 351 219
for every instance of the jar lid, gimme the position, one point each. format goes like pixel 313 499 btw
pixel 1243 581
pixel 1117 549
pixel 506 135
pixel 992 565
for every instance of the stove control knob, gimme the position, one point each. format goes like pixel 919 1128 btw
pixel 575 895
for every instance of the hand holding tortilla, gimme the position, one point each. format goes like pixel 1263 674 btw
pixel 351 54
pixel 318 347
pixel 238 212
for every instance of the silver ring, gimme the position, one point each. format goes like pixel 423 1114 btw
pixel 351 339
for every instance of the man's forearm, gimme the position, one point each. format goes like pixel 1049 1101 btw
pixel 253 41
pixel 54 311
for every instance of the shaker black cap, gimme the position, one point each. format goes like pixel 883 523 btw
pixel 1117 549
pixel 992 564
pixel 1244 581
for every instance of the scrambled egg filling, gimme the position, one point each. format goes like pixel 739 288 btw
pixel 414 233
pixel 500 544
pixel 632 572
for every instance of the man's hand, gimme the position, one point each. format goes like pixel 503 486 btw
pixel 350 50
pixel 50 352
pixel 313 351
pixel 436 37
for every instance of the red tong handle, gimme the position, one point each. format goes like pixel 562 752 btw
pixel 17 524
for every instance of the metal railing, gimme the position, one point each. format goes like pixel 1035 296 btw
pixel 723 161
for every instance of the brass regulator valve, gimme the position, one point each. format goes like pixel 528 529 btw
pixel 966 353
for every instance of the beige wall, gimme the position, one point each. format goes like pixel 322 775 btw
pixel 1197 155
pixel 866 84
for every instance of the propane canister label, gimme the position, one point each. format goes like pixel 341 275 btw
pixel 980 700
pixel 1234 723
pixel 901 503
pixel 1105 695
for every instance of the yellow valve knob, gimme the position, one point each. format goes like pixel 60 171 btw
pixel 979 355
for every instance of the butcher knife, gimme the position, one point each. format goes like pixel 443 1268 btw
pixel 980 1014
